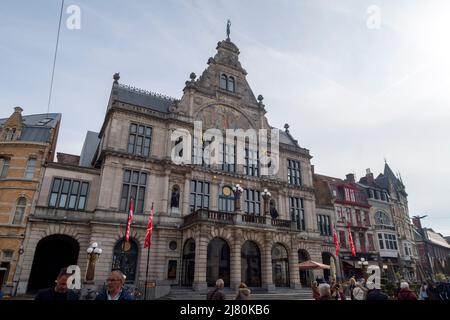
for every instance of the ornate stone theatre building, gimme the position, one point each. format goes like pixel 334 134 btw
pixel 204 227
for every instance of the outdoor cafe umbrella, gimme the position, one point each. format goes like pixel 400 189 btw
pixel 312 265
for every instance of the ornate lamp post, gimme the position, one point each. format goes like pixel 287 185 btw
pixel 94 253
pixel 363 264
pixel 237 189
pixel 266 197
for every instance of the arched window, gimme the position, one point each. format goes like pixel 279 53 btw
pixel 382 218
pixel 223 81
pixel 4 166
pixel 9 135
pixel 231 84
pixel 31 165
pixel 20 210
pixel 175 197
pixel 125 256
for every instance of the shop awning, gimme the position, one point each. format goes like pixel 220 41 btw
pixel 312 265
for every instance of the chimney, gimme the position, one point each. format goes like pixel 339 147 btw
pixel 69 159
pixel 369 176
pixel 18 110
pixel 350 177
pixel 417 223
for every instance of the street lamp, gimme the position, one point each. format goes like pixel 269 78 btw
pixel 237 189
pixel 363 264
pixel 94 252
pixel 266 197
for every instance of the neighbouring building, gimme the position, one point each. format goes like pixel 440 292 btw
pixel 351 207
pixel 27 142
pixel 434 252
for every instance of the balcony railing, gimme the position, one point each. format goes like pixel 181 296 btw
pixel 209 215
pixel 253 219
pixel 281 223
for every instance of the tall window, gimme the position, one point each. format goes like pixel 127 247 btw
pixel 251 167
pixel 199 195
pixel 139 140
pixel 226 199
pixel 223 81
pixel 371 243
pixel 252 202
pixel 297 212
pixel 68 194
pixel 133 187
pixel 4 166
pixel 342 239
pixel 31 165
pixel 20 210
pixel 230 84
pixel 324 225
pixel 294 172
pixel 227 152
pixel 380 241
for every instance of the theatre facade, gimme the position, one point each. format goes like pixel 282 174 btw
pixel 230 220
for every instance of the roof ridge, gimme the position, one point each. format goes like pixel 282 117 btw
pixel 146 92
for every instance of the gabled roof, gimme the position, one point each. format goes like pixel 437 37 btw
pixel 37 127
pixel 144 98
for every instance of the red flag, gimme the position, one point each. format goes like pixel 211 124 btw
pixel 336 242
pixel 148 234
pixel 130 217
pixel 350 239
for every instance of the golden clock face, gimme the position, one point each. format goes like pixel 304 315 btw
pixel 226 191
pixel 126 246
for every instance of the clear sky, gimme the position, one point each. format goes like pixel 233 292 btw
pixel 352 93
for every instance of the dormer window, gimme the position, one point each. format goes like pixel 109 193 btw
pixel 227 83
pixel 230 84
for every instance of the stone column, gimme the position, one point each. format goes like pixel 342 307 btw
pixel 200 263
pixel 294 274
pixel 186 191
pixel 235 263
pixel 214 198
pixel 266 267
pixel 165 194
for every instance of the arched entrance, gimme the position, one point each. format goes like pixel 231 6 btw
pixel 187 277
pixel 326 259
pixel 218 262
pixel 251 264
pixel 280 266
pixel 125 256
pixel 52 253
pixel 305 275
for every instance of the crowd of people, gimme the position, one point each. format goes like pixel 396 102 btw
pixel 358 290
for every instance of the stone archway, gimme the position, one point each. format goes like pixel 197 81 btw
pixel 280 266
pixel 188 269
pixel 251 264
pixel 218 262
pixel 305 275
pixel 52 253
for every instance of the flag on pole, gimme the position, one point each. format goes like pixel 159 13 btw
pixel 350 239
pixel 336 242
pixel 130 217
pixel 148 234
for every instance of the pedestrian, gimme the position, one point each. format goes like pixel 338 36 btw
pixel 352 287
pixel 243 292
pixel 432 291
pixel 60 291
pixel 405 293
pixel 376 294
pixel 359 293
pixel 324 290
pixel 315 290
pixel 423 294
pixel 114 288
pixel 338 293
pixel 217 292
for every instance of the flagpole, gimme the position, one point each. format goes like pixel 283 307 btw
pixel 148 260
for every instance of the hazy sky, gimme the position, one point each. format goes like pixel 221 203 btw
pixel 352 94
